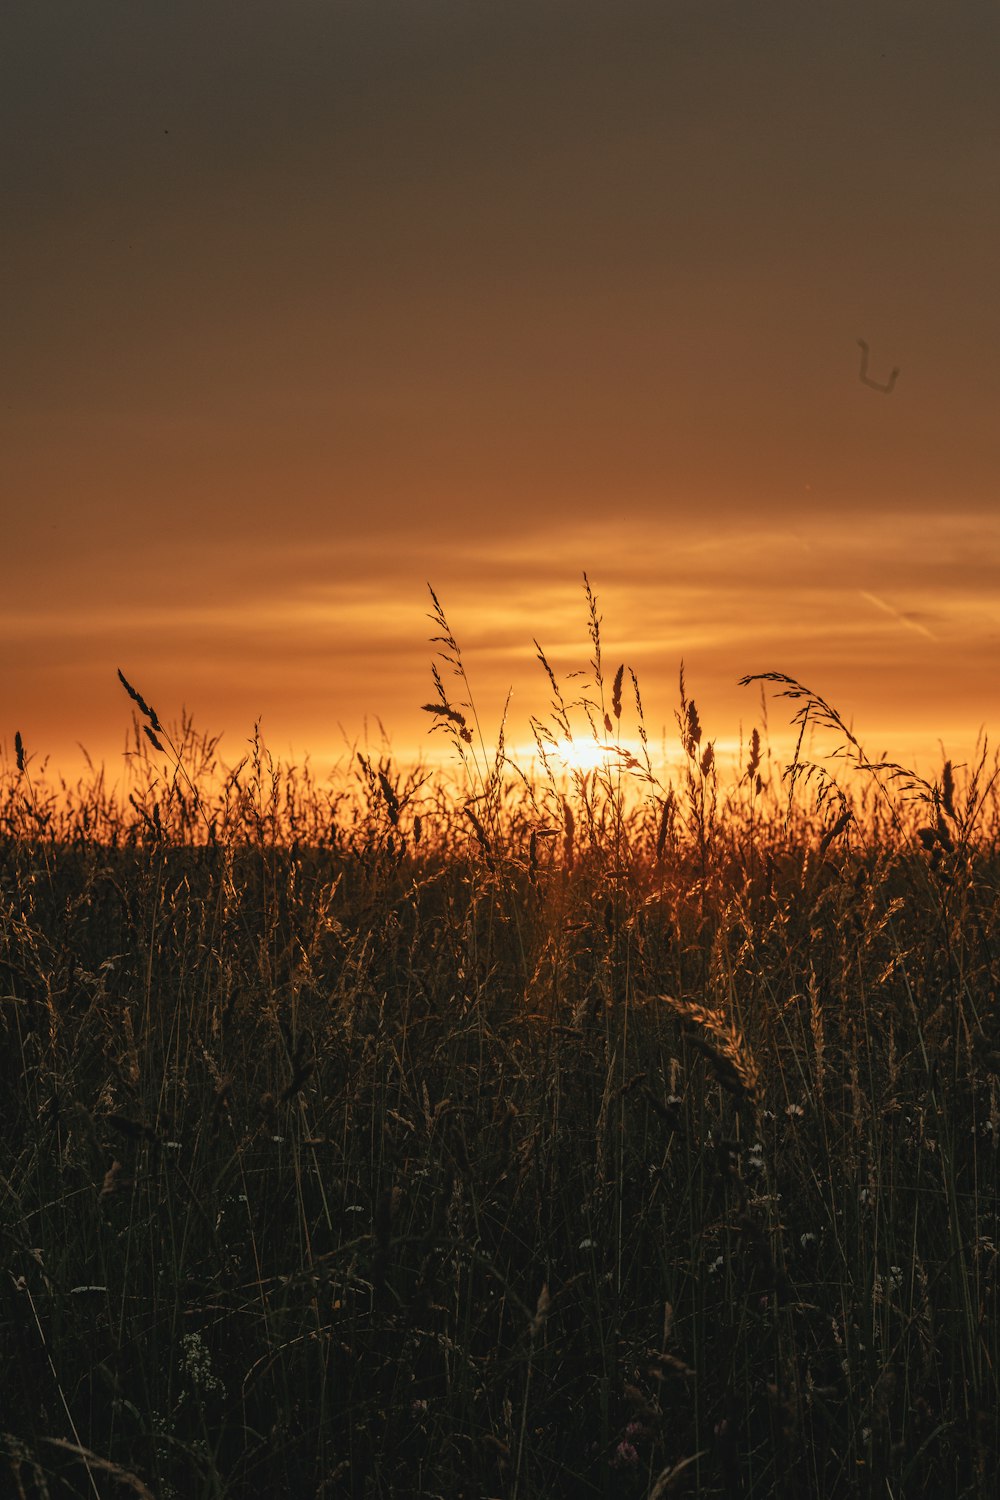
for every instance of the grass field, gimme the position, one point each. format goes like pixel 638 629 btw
pixel 512 1134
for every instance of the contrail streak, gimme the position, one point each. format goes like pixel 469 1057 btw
pixel 896 614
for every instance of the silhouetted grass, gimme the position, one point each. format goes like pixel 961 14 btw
pixel 521 1134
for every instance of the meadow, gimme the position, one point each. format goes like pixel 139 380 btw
pixel 508 1133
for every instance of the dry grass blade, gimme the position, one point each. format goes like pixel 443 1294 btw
pixel 139 700
pixel 17 1453
pixel 669 1477
pixel 104 1465
pixel 948 790
pixel 834 831
pixel 753 764
pixel 481 835
pixel 541 1310
pixel 594 627
pixel 722 1044
pixel 445 711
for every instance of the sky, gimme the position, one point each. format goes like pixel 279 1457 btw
pixel 308 305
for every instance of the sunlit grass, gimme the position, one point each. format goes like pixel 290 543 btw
pixel 580 1125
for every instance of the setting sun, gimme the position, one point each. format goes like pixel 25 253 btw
pixel 586 754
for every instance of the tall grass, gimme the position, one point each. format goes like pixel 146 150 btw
pixel 521 1133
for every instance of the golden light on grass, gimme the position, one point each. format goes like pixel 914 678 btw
pixel 565 1008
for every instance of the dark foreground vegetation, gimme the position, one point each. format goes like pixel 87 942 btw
pixel 515 1140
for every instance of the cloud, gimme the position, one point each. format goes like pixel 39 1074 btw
pixel 322 637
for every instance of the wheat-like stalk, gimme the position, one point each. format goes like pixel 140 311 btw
pixel 722 1043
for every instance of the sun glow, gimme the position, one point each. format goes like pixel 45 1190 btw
pixel 587 754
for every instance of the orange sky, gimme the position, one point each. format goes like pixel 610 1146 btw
pixel 308 304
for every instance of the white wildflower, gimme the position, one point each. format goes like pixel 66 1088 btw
pixel 197 1364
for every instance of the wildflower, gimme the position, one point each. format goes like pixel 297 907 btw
pixel 197 1364
pixel 626 1455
